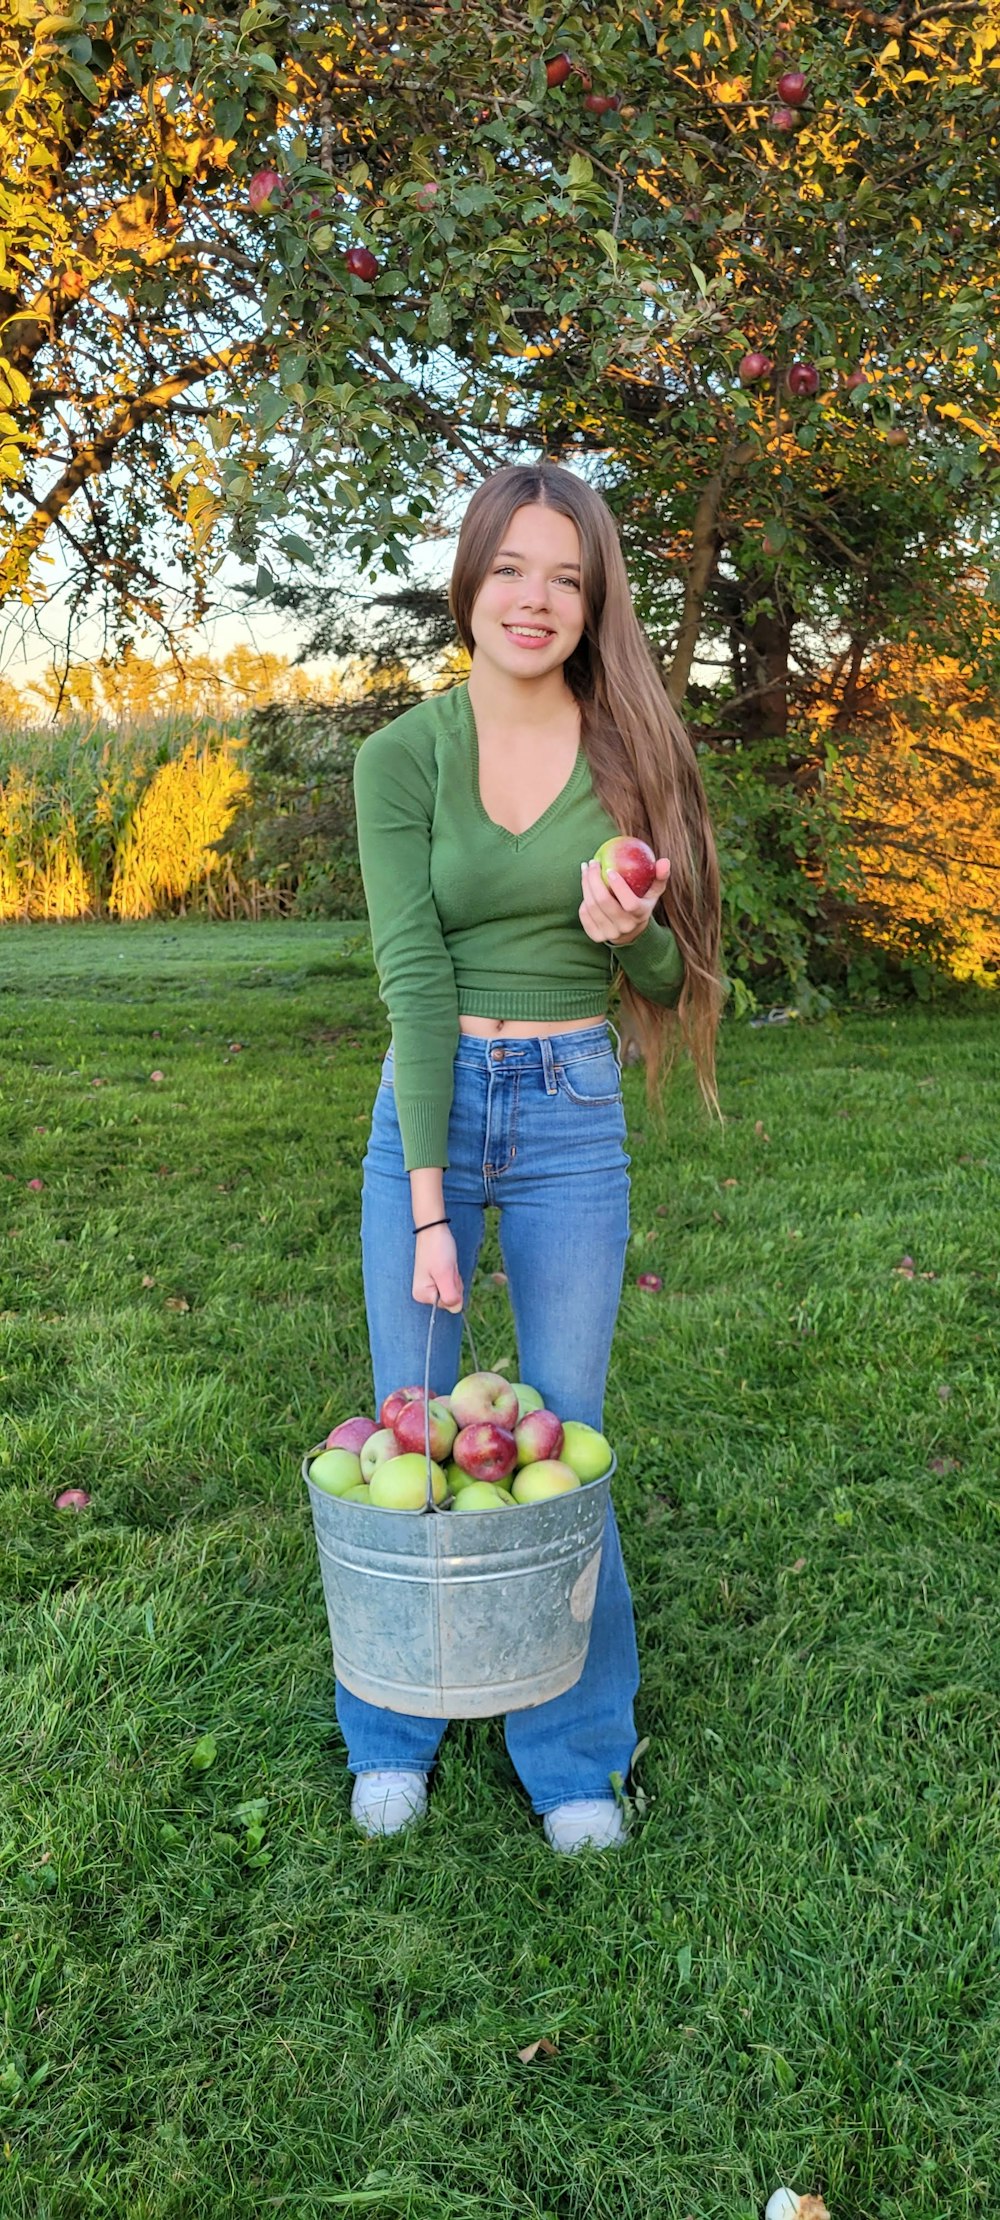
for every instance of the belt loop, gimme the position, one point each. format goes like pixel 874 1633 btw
pixel 548 1065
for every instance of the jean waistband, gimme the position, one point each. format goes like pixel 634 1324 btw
pixel 536 1051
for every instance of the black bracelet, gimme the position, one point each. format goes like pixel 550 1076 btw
pixel 432 1222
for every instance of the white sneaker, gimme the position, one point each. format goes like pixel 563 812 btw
pixel 593 1822
pixel 383 1803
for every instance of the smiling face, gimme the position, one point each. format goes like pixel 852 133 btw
pixel 528 617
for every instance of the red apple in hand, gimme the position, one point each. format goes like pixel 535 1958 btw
pixel 408 1427
pixel 803 380
pixel 793 88
pixel 485 1451
pixel 484 1395
pixel 632 858
pixel 352 1433
pixel 394 1403
pixel 538 1434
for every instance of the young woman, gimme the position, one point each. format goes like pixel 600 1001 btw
pixel 496 943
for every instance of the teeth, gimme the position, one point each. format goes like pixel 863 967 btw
pixel 531 632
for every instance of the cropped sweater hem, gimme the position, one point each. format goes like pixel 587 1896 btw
pixel 541 1003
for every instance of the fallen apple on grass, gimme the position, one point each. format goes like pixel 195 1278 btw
pixel 72 1499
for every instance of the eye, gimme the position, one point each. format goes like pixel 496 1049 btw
pixel 564 581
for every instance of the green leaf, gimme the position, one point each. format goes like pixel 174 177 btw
pixel 204 1754
pixel 292 544
pixel 604 239
pixel 83 78
pixel 580 171
pixel 684 1959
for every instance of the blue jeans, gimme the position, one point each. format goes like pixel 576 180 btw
pixel 537 1128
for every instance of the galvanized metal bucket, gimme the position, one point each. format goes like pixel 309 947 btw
pixel 460 1615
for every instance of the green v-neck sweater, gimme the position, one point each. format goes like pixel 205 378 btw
pixel 469 919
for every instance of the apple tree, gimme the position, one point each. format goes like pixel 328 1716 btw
pixel 276 280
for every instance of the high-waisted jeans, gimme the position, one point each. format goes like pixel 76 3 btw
pixel 537 1127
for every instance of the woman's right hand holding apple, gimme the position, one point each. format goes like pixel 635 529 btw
pixel 435 1269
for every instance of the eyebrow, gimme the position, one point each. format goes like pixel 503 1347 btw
pixel 516 551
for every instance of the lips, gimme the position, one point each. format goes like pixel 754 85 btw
pixel 530 631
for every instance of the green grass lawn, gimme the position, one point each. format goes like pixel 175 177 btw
pixel 218 1999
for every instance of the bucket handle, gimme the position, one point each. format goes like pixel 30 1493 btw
pixel 429 1503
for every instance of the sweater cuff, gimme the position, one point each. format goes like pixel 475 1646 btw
pixel 423 1126
pixel 653 964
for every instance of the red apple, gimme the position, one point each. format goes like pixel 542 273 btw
pixel 72 1499
pixel 632 858
pixel 352 1433
pixel 855 378
pixel 409 1428
pixel 427 195
pixel 486 1451
pixel 557 71
pixel 599 103
pixel 793 88
pixel 753 366
pixel 651 1281
pixel 394 1403
pixel 361 263
pixel 783 119
pixel 538 1434
pixel 803 380
pixel 484 1395
pixel 263 185
pixel 897 437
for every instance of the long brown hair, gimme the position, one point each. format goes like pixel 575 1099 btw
pixel 644 768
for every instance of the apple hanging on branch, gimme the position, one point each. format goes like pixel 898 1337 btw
pixel 783 118
pixel 803 380
pixel 265 185
pixel 753 366
pixel 361 263
pixel 793 89
pixel 557 71
pixel 599 103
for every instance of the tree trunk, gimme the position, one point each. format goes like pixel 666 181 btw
pixel 704 557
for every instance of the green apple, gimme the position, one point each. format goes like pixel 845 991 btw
pixel 336 1470
pixel 377 1449
pixel 400 1484
pixel 482 1495
pixel 528 1398
pixel 456 1478
pixel 588 1453
pixel 361 1494
pixel 548 1477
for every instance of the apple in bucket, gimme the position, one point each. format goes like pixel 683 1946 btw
pixel 534 1483
pixel 352 1433
pixel 336 1470
pixel 377 1451
pixel 401 1484
pixel 486 1451
pixel 409 1427
pixel 484 1395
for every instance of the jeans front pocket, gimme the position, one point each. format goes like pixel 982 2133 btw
pixel 594 1079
